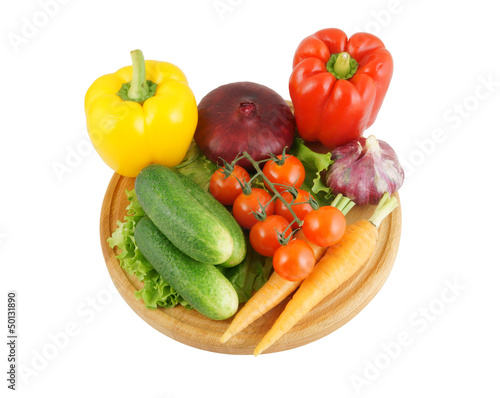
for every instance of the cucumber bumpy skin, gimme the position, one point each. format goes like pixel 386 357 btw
pixel 193 220
pixel 223 215
pixel 202 285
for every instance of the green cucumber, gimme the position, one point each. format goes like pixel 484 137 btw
pixel 221 213
pixel 192 219
pixel 202 285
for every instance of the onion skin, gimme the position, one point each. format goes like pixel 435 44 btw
pixel 243 116
pixel 364 169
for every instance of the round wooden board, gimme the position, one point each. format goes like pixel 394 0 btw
pixel 191 328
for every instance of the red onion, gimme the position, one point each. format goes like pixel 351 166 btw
pixel 364 169
pixel 240 117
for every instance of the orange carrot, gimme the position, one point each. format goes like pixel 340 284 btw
pixel 276 289
pixel 273 292
pixel 339 263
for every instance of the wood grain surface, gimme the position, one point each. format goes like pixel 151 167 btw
pixel 193 329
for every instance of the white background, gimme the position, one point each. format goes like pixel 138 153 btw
pixel 445 53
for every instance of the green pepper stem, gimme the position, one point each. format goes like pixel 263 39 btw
pixel 138 89
pixel 138 86
pixel 341 66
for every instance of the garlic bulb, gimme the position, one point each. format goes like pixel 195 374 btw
pixel 364 169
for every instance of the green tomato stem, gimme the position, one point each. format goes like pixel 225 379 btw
pixel 271 186
pixel 252 178
pixel 245 185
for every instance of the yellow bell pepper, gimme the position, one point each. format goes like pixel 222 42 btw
pixel 142 114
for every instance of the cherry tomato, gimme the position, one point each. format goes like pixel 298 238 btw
pixel 264 234
pixel 291 173
pixel 244 205
pixel 226 189
pixel 294 261
pixel 324 227
pixel 300 210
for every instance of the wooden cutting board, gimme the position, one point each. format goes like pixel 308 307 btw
pixel 191 328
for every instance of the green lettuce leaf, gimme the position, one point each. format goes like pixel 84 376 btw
pixel 263 273
pixel 247 277
pixel 197 167
pixel 250 275
pixel 156 292
pixel 314 164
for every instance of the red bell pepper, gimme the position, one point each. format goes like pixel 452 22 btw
pixel 338 84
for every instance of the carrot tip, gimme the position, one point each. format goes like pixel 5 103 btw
pixel 261 348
